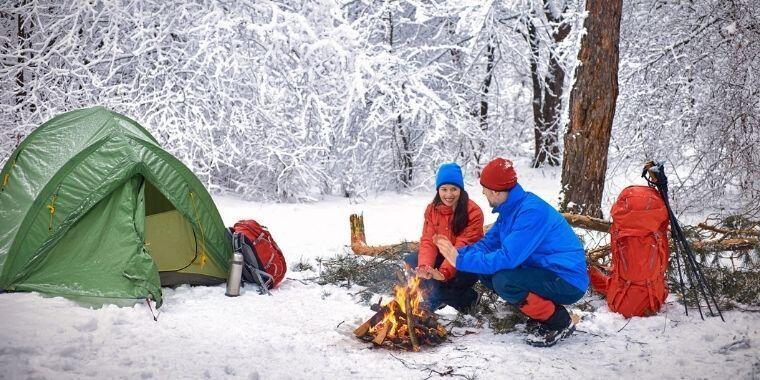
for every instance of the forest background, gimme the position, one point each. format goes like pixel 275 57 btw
pixel 295 100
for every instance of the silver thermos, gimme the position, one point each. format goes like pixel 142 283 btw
pixel 236 271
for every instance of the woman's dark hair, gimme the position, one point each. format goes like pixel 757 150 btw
pixel 461 216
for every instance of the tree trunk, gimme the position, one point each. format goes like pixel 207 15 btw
pixel 401 136
pixel 592 108
pixel 547 94
pixel 551 109
pixel 486 86
pixel 25 56
pixel 22 41
pixel 483 117
pixel 405 154
pixel 547 131
pixel 536 81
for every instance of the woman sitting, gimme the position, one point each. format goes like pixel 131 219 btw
pixel 452 215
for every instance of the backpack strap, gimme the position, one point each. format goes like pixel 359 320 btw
pixel 620 296
pixel 650 296
pixel 251 264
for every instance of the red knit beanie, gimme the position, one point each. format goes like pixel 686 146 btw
pixel 499 175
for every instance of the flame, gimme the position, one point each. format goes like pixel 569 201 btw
pixel 414 294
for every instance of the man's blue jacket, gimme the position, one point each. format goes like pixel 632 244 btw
pixel 528 233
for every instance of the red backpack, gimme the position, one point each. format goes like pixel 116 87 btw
pixel 264 263
pixel 636 285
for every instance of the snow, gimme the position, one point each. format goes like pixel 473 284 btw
pixel 304 330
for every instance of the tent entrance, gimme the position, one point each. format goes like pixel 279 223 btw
pixel 174 246
pixel 97 260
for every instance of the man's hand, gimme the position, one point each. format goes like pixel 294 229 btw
pixel 446 248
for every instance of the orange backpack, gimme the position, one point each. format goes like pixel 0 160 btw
pixel 636 285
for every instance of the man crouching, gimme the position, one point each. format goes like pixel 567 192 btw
pixel 530 257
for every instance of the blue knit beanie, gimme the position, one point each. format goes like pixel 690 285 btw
pixel 449 174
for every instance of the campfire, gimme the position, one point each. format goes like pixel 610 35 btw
pixel 401 323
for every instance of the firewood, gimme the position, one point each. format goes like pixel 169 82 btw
pixel 410 324
pixel 363 329
pixel 380 337
pixel 427 322
pixel 377 306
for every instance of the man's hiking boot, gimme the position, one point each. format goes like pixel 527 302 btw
pixel 472 308
pixel 558 327
pixel 532 325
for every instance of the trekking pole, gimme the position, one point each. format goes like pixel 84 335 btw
pixel 662 186
pixel 661 183
pixel 691 266
pixel 654 182
pixel 701 282
pixel 689 257
pixel 704 286
pixel 678 241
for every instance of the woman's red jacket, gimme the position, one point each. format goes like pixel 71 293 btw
pixel 438 221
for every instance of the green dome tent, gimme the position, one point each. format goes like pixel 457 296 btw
pixel 91 208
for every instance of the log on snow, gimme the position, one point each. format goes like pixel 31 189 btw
pixel 717 245
pixel 360 247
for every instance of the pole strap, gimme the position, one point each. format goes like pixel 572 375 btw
pixel 51 208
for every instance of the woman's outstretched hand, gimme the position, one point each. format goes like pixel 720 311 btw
pixel 423 272
pixel 446 248
pixel 426 273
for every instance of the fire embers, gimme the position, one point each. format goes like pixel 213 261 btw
pixel 401 323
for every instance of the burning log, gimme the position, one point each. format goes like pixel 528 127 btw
pixel 409 313
pixel 381 333
pixel 363 329
pixel 410 324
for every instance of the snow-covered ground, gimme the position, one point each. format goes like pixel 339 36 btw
pixel 304 330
